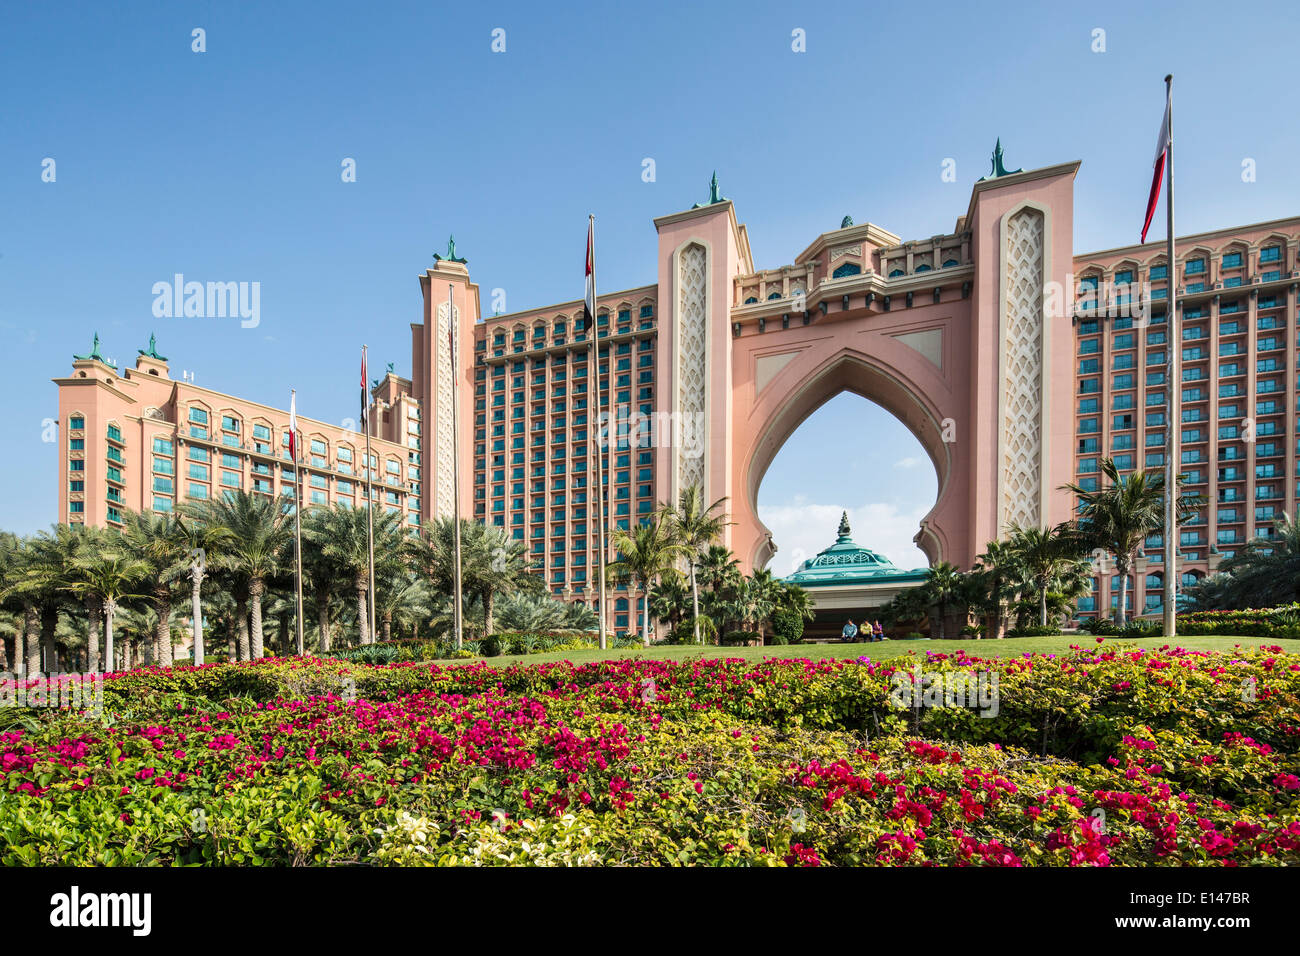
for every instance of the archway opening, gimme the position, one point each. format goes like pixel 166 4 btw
pixel 850 455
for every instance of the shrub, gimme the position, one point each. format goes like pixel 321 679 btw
pixel 787 627
pixel 1035 630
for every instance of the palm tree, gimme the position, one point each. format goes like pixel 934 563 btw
pixel 1049 559
pixel 11 609
pixel 103 574
pixel 500 563
pixel 540 613
pixel 945 588
pixel 162 541
pixel 43 575
pixel 402 599
pixel 645 553
pixel 255 535
pixel 341 536
pixel 695 528
pixel 1000 569
pixel 1119 516
pixel 323 578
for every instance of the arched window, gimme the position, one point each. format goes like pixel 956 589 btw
pixel 949 263
pixel 848 269
pixel 751 300
pixel 923 267
pixel 895 273
pixel 774 295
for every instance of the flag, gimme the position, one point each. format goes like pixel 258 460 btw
pixel 364 404
pixel 293 426
pixel 589 302
pixel 1158 174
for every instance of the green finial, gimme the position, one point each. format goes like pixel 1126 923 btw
pixel 451 252
pixel 846 222
pixel 95 354
pixel 844 525
pixel 998 168
pixel 715 196
pixel 152 350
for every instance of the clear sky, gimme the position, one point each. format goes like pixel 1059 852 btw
pixel 225 166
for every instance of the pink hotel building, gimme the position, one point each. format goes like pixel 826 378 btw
pixel 1012 386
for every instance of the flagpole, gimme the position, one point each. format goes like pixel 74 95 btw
pixel 297 526
pixel 370 518
pixel 457 612
pixel 1175 383
pixel 600 467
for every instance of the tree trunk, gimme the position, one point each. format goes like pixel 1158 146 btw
pixel 255 589
pixel 487 612
pixel 695 603
pixel 645 617
pixel 196 612
pixel 363 617
pixel 388 626
pixel 241 627
pixel 232 648
pixel 162 632
pixel 110 608
pixel 92 633
pixel 1121 611
pixel 49 618
pixel 323 619
pixel 1042 605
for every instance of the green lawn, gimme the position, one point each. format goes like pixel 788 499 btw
pixel 883 650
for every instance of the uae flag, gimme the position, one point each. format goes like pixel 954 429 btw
pixel 364 404
pixel 589 302
pixel 1158 174
pixel 293 426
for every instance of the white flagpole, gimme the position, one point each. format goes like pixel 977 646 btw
pixel 297 522
pixel 457 611
pixel 596 444
pixel 370 519
pixel 1175 383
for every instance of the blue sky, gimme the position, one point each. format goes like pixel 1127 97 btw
pixel 225 165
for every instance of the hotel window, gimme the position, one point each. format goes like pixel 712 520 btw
pixel 200 472
pixel 231 479
pixel 1195 267
pixel 163 485
pixel 1270 254
pixel 76 422
pixel 77 464
pixel 162 504
pixel 114 433
pixel 114 515
pixel 229 424
pixel 76 486
pixel 1232 260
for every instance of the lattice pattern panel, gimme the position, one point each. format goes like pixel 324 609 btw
pixel 1022 371
pixel 442 416
pixel 692 329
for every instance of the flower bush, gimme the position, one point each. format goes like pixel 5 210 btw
pixel 1105 755
pixel 1271 622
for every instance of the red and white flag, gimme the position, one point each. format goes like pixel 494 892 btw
pixel 589 302
pixel 293 426
pixel 364 403
pixel 1158 174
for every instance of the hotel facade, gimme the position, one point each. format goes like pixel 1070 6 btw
pixel 1017 363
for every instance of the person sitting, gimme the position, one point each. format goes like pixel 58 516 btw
pixel 850 632
pixel 878 632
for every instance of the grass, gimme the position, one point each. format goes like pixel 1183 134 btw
pixel 883 650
